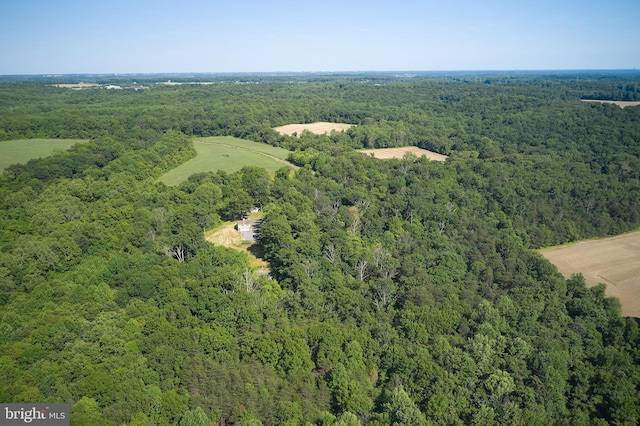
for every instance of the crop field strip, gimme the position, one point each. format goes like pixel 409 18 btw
pixel 621 104
pixel 319 128
pixel 387 153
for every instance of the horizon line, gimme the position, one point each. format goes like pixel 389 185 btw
pixel 356 72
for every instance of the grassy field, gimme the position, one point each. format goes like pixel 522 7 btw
pixel 229 154
pixel 613 261
pixel 23 150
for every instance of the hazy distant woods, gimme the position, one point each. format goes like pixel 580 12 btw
pixel 403 292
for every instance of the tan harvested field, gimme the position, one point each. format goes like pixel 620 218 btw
pixel 386 153
pixel 613 261
pixel 621 104
pixel 319 128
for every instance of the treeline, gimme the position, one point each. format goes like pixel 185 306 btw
pixel 402 292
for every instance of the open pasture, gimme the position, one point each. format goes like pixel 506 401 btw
pixel 23 150
pixel 387 153
pixel 613 261
pixel 319 128
pixel 229 154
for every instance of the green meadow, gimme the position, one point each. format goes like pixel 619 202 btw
pixel 228 154
pixel 23 150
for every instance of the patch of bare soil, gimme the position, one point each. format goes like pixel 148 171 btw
pixel 318 128
pixel 386 153
pixel 613 261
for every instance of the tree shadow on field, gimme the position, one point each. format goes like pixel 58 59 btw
pixel 257 250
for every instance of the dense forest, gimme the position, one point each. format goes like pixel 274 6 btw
pixel 402 292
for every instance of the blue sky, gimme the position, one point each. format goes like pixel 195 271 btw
pixel 143 36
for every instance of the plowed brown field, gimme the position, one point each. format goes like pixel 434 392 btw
pixel 613 261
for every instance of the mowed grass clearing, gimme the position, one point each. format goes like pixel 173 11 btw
pixel 20 151
pixel 613 261
pixel 228 236
pixel 228 154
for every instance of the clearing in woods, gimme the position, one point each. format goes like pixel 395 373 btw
pixel 612 261
pixel 386 153
pixel 319 128
pixel 229 154
pixel 22 150
pixel 621 104
pixel 227 235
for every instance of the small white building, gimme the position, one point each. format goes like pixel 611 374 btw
pixel 244 225
pixel 249 229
